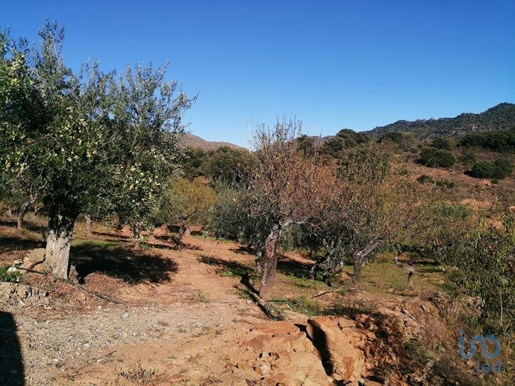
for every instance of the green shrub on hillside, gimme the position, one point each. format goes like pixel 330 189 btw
pixel 500 141
pixel 500 169
pixel 442 144
pixel 436 158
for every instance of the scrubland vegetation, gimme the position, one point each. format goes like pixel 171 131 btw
pixel 106 147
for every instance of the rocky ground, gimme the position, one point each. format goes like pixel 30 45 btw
pixel 189 325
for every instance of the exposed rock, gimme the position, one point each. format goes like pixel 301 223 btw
pixel 341 351
pixel 33 258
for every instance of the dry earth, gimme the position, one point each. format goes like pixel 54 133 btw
pixel 161 316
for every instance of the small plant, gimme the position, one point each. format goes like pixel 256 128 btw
pixel 13 277
pixel 305 305
pixel 138 375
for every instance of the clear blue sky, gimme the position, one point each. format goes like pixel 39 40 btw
pixel 333 64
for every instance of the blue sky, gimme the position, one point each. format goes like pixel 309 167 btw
pixel 333 64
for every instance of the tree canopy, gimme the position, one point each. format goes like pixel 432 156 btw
pixel 86 142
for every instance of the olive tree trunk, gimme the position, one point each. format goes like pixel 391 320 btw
pixel 269 263
pixel 59 239
pixel 358 258
pixel 23 210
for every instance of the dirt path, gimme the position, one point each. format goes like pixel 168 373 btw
pixel 156 326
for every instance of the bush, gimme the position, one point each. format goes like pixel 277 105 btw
pixel 500 141
pixel 483 169
pixel 503 168
pixel 442 144
pixel 500 169
pixel 436 158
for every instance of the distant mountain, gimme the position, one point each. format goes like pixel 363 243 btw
pixel 190 140
pixel 500 117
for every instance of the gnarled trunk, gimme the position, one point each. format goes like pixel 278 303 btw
pixel 358 258
pixel 23 210
pixel 59 237
pixel 269 263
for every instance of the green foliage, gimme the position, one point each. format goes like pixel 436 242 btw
pixel 500 169
pixel 186 202
pixel 344 139
pixel 442 144
pixel 468 156
pixel 94 141
pixel 503 168
pixel 239 215
pixel 486 269
pixel 14 277
pixel 499 141
pixel 226 164
pixel 483 169
pixel 436 158
pixel 500 117
pixel 192 163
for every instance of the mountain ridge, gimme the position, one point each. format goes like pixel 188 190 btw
pixel 499 117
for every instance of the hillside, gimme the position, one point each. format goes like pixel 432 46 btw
pixel 190 140
pixel 500 117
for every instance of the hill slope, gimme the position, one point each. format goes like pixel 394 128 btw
pixel 190 140
pixel 500 117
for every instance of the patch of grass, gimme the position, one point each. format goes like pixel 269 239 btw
pixel 228 268
pixel 138 375
pixel 14 277
pixel 204 331
pixel 243 294
pixel 305 305
pixel 274 312
pixel 305 282
pixel 200 297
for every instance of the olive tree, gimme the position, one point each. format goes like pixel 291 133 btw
pixel 88 142
pixel 288 184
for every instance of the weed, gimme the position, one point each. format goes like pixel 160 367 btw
pixel 137 374
pixel 14 277
pixel 243 294
pixel 305 305
pixel 274 312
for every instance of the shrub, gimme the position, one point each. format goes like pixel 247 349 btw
pixel 436 158
pixel 442 144
pixel 499 169
pixel 500 141
pixel 483 169
pixel 468 156
pixel 503 168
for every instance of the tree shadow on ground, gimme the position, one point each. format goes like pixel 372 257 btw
pixel 10 244
pixel 117 236
pixel 131 265
pixel 290 267
pixel 26 225
pixel 172 242
pixel 234 268
pixel 11 360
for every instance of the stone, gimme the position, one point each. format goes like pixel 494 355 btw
pixel 340 349
pixel 33 258
pixel 275 328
